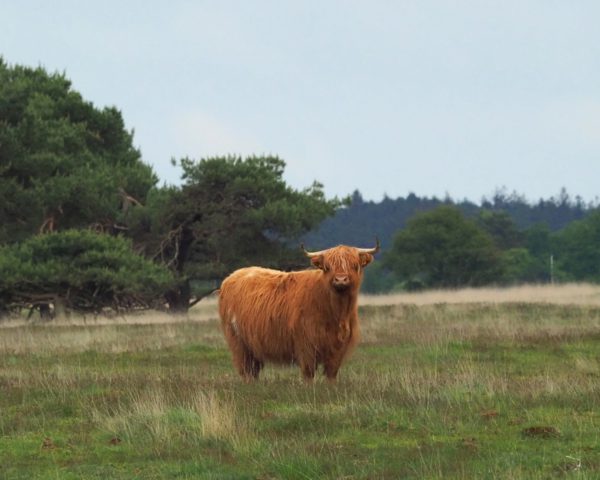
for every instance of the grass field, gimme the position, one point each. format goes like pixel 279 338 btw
pixel 497 384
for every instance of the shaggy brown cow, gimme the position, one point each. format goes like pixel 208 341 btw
pixel 308 317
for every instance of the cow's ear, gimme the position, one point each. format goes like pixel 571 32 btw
pixel 365 259
pixel 317 261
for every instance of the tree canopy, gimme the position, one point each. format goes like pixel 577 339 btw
pixel 229 212
pixel 577 250
pixel 442 248
pixel 63 163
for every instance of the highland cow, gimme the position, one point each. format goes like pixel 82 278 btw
pixel 309 317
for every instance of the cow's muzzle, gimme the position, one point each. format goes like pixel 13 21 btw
pixel 341 282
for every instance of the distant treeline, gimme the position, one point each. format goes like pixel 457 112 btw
pixel 357 223
pixel 433 243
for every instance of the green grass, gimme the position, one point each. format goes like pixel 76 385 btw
pixel 439 391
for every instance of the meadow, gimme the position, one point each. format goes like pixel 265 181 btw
pixel 465 384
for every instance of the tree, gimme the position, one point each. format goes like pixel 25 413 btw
pixel 541 245
pixel 442 248
pixel 578 249
pixel 501 229
pixel 63 163
pixel 518 266
pixel 79 270
pixel 378 279
pixel 230 212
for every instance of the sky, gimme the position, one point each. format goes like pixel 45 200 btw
pixel 437 98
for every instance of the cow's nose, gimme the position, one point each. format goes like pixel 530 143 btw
pixel 341 279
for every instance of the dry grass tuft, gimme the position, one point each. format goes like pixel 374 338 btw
pixel 220 418
pixel 161 417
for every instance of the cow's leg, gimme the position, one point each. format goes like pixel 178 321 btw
pixel 253 366
pixel 245 363
pixel 308 367
pixel 306 356
pixel 331 370
pixel 248 366
pixel 332 364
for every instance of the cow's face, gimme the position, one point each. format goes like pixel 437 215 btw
pixel 342 267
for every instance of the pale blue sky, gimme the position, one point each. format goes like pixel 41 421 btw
pixel 432 97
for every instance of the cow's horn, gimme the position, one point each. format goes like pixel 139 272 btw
pixel 372 251
pixel 311 254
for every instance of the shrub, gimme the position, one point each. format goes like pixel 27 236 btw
pixel 80 270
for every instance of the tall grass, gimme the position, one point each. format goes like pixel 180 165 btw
pixel 561 294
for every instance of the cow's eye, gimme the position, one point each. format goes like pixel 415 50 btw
pixel 325 268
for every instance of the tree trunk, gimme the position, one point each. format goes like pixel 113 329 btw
pixel 179 298
pixel 45 312
pixel 60 309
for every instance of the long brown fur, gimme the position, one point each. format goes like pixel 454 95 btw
pixel 294 317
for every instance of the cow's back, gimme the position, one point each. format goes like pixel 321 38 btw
pixel 260 306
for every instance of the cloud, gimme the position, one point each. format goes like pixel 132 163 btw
pixel 200 134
